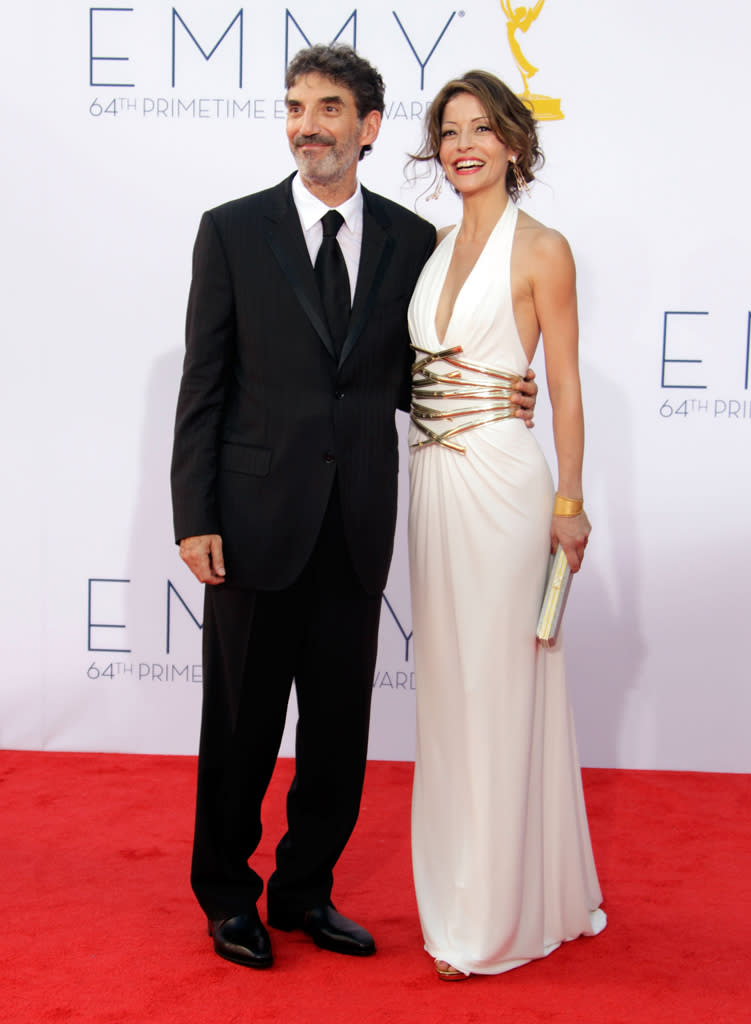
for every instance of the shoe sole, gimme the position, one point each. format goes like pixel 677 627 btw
pixel 334 947
pixel 258 965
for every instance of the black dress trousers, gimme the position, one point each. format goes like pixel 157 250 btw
pixel 322 631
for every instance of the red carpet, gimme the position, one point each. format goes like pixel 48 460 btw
pixel 100 924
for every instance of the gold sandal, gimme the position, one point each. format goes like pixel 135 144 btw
pixel 446 972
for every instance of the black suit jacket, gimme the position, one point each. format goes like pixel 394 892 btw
pixel 266 416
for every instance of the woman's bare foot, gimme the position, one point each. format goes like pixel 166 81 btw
pixel 446 972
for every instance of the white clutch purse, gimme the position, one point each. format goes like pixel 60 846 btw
pixel 554 602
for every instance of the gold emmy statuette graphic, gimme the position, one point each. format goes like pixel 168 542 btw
pixel 518 19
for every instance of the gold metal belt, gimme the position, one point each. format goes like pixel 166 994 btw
pixel 427 383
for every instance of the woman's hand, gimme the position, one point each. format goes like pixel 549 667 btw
pixel 524 397
pixel 572 533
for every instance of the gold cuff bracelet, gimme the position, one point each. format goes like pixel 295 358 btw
pixel 567 506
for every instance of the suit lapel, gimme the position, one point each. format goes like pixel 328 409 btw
pixel 375 253
pixel 284 236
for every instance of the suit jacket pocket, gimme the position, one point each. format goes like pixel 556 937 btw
pixel 244 458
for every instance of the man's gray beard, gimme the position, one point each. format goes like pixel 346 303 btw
pixel 327 171
pixel 323 172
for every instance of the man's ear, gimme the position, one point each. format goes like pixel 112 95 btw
pixel 371 125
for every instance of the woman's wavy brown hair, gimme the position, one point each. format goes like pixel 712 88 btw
pixel 509 118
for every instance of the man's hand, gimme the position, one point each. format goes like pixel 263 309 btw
pixel 525 397
pixel 203 556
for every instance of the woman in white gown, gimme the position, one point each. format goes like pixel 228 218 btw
pixel 502 859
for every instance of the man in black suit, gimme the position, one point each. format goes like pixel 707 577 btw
pixel 285 471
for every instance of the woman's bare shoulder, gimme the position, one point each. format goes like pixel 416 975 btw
pixel 542 242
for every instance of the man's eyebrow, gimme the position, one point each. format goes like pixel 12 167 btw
pixel 292 101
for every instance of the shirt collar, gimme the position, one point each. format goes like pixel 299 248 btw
pixel 310 208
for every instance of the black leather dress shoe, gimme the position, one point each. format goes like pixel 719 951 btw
pixel 328 929
pixel 243 940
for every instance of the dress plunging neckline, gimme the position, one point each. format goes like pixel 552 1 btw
pixel 453 236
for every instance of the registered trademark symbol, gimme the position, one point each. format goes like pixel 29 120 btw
pixel 461 14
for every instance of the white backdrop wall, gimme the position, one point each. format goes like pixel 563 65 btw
pixel 119 132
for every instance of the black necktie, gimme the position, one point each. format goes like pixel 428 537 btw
pixel 333 279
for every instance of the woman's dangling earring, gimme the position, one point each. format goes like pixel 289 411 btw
pixel 437 190
pixel 521 181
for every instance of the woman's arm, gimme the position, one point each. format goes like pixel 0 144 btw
pixel 554 294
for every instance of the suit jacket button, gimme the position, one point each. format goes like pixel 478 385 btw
pixel 339 394
pixel 329 457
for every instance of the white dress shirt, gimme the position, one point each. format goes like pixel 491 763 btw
pixel 310 210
